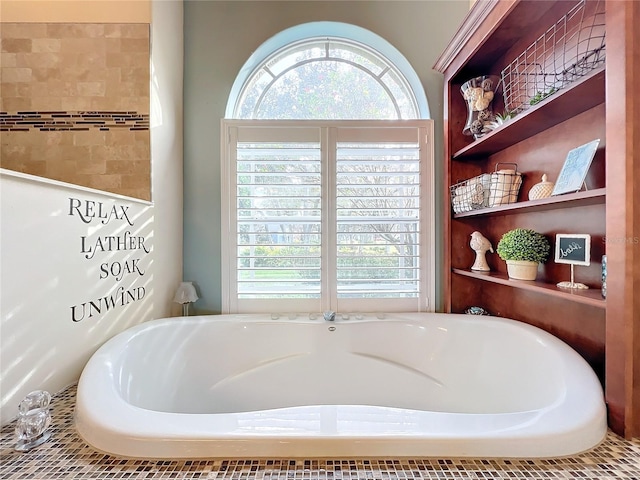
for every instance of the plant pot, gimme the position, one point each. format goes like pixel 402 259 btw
pixel 522 269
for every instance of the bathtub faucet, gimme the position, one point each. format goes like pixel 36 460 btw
pixel 329 316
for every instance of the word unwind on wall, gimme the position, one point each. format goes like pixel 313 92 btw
pixel 110 251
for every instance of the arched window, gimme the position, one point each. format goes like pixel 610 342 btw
pixel 329 71
pixel 327 178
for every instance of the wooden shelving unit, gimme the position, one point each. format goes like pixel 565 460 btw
pixel 598 105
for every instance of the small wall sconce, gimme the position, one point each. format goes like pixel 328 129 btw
pixel 185 295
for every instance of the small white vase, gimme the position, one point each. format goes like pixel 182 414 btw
pixel 522 269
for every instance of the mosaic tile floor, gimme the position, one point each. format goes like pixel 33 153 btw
pixel 66 457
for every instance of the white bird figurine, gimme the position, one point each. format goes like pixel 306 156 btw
pixel 480 245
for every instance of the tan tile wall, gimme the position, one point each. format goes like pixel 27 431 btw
pixel 79 78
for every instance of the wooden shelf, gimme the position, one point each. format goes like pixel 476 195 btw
pixel 579 199
pixel 591 297
pixel 579 97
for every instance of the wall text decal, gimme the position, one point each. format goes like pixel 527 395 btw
pixel 109 250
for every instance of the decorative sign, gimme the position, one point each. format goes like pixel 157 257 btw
pixel 575 168
pixel 124 242
pixel 574 249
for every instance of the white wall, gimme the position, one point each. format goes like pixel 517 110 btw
pixel 48 326
pixel 166 149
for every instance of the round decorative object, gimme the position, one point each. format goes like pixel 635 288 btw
pixel 33 421
pixel 542 189
pixel 476 311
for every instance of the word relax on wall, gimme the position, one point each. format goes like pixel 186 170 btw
pixel 92 249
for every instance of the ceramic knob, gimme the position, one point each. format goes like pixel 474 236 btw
pixel 542 189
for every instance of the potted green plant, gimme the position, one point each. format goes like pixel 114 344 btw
pixel 523 249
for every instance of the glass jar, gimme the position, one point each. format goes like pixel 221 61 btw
pixel 478 93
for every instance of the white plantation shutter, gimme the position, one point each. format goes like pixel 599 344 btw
pixel 278 219
pixel 378 212
pixel 327 215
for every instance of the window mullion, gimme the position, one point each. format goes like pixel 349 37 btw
pixel 329 249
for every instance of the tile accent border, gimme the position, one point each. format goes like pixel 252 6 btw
pixel 66 457
pixel 75 121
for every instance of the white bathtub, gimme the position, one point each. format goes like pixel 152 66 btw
pixel 405 385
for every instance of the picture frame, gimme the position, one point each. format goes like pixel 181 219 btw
pixel 575 168
pixel 574 248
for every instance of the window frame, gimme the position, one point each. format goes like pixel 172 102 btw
pixel 328 129
pixel 387 77
pixel 337 30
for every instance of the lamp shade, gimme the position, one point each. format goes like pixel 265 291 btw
pixel 186 293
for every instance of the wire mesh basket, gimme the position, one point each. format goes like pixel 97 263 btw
pixel 567 51
pixel 487 190
pixel 471 194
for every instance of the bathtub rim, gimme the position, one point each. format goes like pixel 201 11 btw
pixel 162 438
